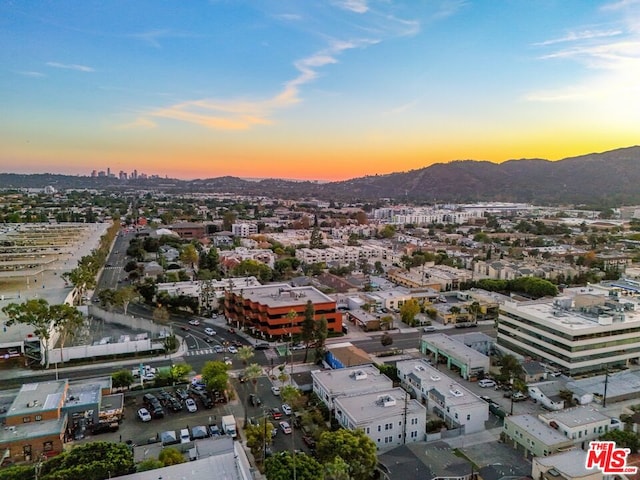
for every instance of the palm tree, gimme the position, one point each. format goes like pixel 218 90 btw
pixel 245 353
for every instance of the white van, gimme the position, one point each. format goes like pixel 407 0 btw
pixel 486 383
pixel 184 436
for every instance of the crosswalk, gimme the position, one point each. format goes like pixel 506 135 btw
pixel 201 351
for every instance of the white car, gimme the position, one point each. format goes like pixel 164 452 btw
pixel 228 361
pixel 232 349
pixel 144 415
pixel 210 331
pixel 194 322
pixel 285 427
pixel 184 435
pixel 275 390
pixel 286 409
pixel 486 383
pixel 191 405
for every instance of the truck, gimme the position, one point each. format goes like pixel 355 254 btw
pixel 229 425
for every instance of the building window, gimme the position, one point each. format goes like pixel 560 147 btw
pixel 47 446
pixel 367 430
pixel 468 416
pixel 38 418
pixel 26 419
pixel 379 427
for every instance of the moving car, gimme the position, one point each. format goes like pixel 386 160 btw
pixel 276 413
pixel 218 349
pixel 285 427
pixel 255 400
pixel 209 331
pixel 232 349
pixel 144 415
pixel 191 405
pixel 286 409
pixel 262 346
pixel 194 322
pixel 275 390
pixel 228 361
pixel 429 328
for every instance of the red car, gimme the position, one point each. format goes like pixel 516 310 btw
pixel 276 413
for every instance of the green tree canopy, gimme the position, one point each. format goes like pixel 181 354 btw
pixel 354 447
pixel 409 310
pixel 89 461
pixel 623 439
pixel 122 379
pixel 281 467
pixel 215 376
pixel 171 456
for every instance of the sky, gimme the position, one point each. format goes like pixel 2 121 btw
pixel 306 89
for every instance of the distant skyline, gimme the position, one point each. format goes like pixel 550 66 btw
pixel 325 90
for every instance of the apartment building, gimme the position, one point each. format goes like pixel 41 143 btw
pixel 443 396
pixel 331 384
pixel 580 424
pixel 581 332
pixel 389 417
pixel 267 309
pixel 341 255
pixel 244 229
pixel 532 437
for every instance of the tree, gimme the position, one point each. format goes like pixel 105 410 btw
pixel 321 334
pixel 245 353
pixel 124 296
pixel 161 315
pixel 259 437
pixel 316 238
pixel 308 328
pixel 178 372
pixel 291 396
pixel 107 298
pixel 623 439
pixel 67 321
pixel 510 368
pixel 409 310
pixel 122 379
pixel 171 456
pixel 149 464
pixel 388 231
pixel 189 255
pixel 353 446
pixel 282 466
pixel 386 339
pixel 37 314
pixel 337 469
pixel 215 376
pixel 90 461
pixel 148 290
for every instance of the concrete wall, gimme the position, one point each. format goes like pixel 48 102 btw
pixel 128 321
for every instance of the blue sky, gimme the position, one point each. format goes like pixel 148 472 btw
pixel 305 89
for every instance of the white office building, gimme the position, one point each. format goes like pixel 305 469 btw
pixel 331 384
pixel 583 331
pixel 389 417
pixel 444 396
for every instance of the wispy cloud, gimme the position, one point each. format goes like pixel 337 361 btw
pixel 356 6
pixel 290 17
pixel 578 36
pixel 72 66
pixel 154 37
pixel 621 4
pixel 32 74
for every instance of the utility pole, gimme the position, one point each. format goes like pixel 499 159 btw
pixel 606 382
pixel 404 426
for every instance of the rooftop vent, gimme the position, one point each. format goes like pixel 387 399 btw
pixel 32 404
pixel 386 401
pixel 359 375
pixel 435 378
pixel 455 392
pixel 420 368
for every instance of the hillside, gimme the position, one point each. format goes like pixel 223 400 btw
pixel 610 178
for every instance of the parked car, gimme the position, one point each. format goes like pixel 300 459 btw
pixel 191 405
pixel 144 415
pixel 285 427
pixel 309 441
pixel 232 349
pixel 519 397
pixel 262 346
pixel 185 437
pixel 209 331
pixel 276 414
pixel 486 383
pixel 255 400
pixel 286 409
pixel 182 393
pixel 275 390
pixel 214 431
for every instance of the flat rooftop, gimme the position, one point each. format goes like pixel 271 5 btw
pixel 574 417
pixel 367 407
pixel 40 396
pixel 343 381
pixel 456 349
pixel 536 428
pixel 283 295
pixel 571 464
pixel 430 378
pixel 33 430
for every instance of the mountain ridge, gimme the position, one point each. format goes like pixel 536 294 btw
pixel 607 178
